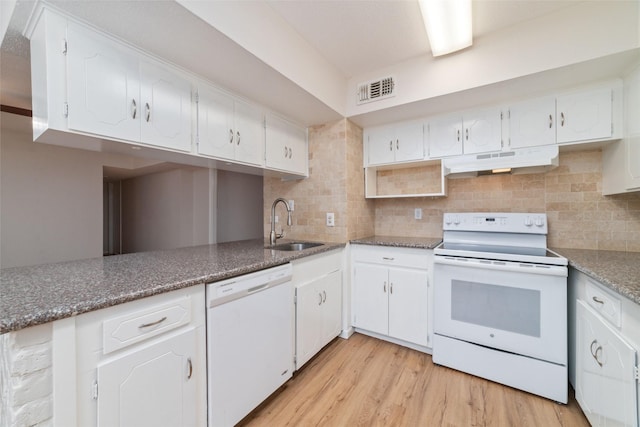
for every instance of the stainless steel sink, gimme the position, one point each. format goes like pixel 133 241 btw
pixel 294 246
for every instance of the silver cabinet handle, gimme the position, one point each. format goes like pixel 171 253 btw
pixel 550 121
pixel 391 145
pixel 598 300
pixel 319 298
pixel 390 288
pixel 148 325
pixel 134 106
pixel 397 144
pixel 384 287
pixel 290 152
pixel 148 109
pixel 467 133
pixel 230 136
pixel 561 119
pixel 458 134
pixel 595 353
pixel 285 152
pixel 388 258
pixel 238 137
pixel 189 368
pixel 324 296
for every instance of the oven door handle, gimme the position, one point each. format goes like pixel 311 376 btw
pixel 548 270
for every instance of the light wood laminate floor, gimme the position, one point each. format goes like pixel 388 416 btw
pixel 363 381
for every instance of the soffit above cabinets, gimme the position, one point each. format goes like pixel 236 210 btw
pixel 303 58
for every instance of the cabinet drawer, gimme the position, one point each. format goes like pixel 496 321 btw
pixel 130 328
pixel 607 305
pixel 401 257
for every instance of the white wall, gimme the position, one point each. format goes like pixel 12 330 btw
pixel 50 199
pixel 239 207
pixel 165 210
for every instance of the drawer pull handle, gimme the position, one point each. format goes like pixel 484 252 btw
pixel 598 300
pixel 190 366
pixel 386 258
pixel 148 325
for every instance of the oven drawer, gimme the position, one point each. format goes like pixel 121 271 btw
pixel 400 257
pixel 601 301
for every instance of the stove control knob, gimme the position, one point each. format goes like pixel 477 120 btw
pixel 528 222
pixel 447 219
pixel 456 220
pixel 539 221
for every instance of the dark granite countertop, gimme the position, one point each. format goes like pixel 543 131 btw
pixel 619 271
pixel 40 294
pixel 400 242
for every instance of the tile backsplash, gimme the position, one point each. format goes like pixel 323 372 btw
pixel 579 215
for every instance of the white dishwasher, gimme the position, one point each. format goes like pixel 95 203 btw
pixel 250 341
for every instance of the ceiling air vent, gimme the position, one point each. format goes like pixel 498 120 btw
pixel 376 89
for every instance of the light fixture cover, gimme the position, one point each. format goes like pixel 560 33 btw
pixel 448 24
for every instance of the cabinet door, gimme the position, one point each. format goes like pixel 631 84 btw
pixel 371 298
pixel 215 124
pixel 532 123
pixel 331 286
pixel 381 145
pixel 605 378
pixel 584 116
pixel 309 322
pixel 482 131
pixel 165 108
pixel 249 133
pixel 408 305
pixel 409 142
pixel 103 86
pixel 151 386
pixel 285 146
pixel 445 137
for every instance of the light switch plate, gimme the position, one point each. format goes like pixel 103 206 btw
pixel 417 213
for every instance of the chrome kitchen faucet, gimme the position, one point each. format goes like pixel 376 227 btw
pixel 273 236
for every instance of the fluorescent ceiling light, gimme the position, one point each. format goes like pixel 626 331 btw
pixel 448 24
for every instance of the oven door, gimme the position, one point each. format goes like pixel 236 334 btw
pixel 515 307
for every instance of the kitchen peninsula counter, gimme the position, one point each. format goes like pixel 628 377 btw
pixel 620 271
pixel 40 294
pixel 400 242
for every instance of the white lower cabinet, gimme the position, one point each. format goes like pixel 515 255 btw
pixel 150 386
pixel 318 282
pixel 143 363
pixel 605 331
pixel 605 372
pixel 390 293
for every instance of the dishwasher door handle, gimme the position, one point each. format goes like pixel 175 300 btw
pixel 257 288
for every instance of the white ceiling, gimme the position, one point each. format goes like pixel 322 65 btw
pixel 355 37
pixel 358 36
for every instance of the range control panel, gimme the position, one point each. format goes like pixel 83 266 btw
pixel 506 222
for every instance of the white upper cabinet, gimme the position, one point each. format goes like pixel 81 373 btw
pixel 482 131
pixel 401 142
pixel 445 137
pixel 286 146
pixel 111 92
pixel 532 123
pixel 476 131
pixel 585 115
pixel 229 128
pixel 165 108
pixel 104 86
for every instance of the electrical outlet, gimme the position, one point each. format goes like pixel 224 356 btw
pixel 291 205
pixel 330 219
pixel 417 213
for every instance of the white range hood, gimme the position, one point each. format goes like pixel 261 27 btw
pixel 517 161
